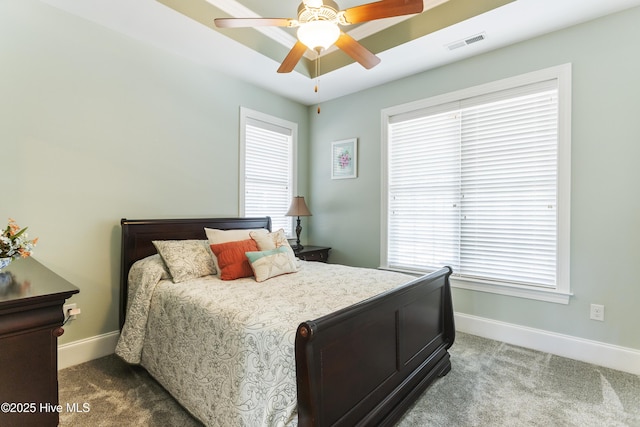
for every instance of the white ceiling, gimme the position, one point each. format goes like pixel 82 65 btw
pixel 152 22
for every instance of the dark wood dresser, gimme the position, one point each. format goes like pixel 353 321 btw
pixel 314 253
pixel 31 300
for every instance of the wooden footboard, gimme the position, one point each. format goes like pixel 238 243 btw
pixel 366 364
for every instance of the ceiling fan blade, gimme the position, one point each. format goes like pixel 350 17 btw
pixel 382 9
pixel 358 52
pixel 253 22
pixel 292 58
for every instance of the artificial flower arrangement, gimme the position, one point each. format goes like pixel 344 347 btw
pixel 15 243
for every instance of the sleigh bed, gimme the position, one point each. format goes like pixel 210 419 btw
pixel 310 348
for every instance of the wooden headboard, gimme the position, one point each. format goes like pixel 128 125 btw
pixel 138 235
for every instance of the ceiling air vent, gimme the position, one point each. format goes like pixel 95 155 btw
pixel 466 42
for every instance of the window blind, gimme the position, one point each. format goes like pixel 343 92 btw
pixel 268 173
pixel 474 186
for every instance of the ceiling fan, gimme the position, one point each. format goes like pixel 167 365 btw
pixel 319 24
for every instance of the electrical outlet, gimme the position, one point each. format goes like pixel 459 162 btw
pixel 66 308
pixel 597 312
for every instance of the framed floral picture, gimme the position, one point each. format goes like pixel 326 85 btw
pixel 344 159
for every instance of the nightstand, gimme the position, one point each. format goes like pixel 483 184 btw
pixel 31 300
pixel 314 253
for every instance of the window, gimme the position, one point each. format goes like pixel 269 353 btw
pixel 479 180
pixel 267 167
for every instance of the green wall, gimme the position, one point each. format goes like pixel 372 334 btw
pixel 605 202
pixel 94 127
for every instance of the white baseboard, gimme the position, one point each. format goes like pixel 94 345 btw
pixel 81 351
pixel 595 352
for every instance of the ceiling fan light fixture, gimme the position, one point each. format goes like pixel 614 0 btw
pixel 318 27
pixel 318 34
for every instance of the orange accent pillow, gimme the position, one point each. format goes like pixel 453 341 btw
pixel 232 262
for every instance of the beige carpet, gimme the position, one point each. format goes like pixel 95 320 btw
pixel 490 384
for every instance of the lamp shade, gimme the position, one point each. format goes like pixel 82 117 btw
pixel 298 207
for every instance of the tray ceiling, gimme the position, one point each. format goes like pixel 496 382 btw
pixel 406 45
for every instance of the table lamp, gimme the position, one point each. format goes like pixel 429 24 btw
pixel 298 208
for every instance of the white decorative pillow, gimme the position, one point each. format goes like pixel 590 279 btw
pixel 268 241
pixel 216 237
pixel 277 239
pixel 186 259
pixel 272 263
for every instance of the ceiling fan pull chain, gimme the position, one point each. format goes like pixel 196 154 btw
pixel 317 77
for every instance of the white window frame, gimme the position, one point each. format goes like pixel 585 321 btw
pixel 248 116
pixel 562 291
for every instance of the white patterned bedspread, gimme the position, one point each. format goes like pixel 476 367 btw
pixel 225 349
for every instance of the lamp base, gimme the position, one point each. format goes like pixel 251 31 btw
pixel 298 247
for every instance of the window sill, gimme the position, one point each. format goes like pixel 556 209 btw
pixel 547 295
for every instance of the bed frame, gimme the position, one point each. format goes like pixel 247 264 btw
pixel 362 365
